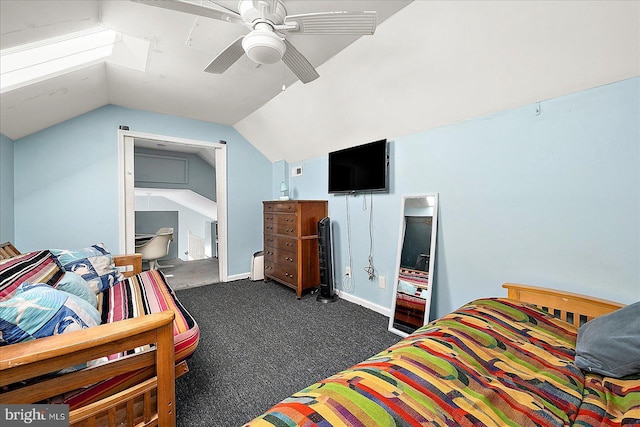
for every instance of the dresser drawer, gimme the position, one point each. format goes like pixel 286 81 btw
pixel 284 274
pixel 280 207
pixel 280 256
pixel 281 224
pixel 286 229
pixel 286 219
pixel 280 242
pixel 269 223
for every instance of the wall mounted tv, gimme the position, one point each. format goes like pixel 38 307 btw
pixel 359 169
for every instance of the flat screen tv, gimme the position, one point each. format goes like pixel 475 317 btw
pixel 359 169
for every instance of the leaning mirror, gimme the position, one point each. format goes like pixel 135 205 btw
pixel 416 256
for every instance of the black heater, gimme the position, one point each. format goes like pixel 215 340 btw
pixel 327 292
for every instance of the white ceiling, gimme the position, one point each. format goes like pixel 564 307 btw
pixel 174 81
pixel 208 155
pixel 431 63
pixel 435 63
pixel 187 198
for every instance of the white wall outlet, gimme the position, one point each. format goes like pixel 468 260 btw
pixel 347 272
pixel 382 282
pixel 296 171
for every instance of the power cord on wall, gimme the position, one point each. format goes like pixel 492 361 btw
pixel 370 269
pixel 348 283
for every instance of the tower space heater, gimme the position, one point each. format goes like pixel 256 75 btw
pixel 327 292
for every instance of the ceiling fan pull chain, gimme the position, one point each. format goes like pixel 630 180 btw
pixel 284 75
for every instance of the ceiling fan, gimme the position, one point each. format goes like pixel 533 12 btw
pixel 269 23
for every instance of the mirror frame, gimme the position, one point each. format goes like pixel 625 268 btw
pixel 434 232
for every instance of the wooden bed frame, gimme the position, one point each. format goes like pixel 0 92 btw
pixel 149 403
pixel 573 308
pixel 7 250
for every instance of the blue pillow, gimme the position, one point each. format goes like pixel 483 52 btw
pixel 74 284
pixel 94 264
pixel 610 345
pixel 38 310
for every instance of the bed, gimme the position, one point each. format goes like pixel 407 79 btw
pixel 121 372
pixel 493 362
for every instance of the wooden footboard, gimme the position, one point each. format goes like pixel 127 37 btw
pixel 574 308
pixel 149 403
pixel 24 366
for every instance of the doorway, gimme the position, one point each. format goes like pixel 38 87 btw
pixel 127 140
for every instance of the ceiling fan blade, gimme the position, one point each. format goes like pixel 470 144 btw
pixel 297 63
pixel 195 9
pixel 333 23
pixel 226 58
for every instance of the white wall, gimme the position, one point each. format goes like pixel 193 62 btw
pixel 189 221
pixel 439 62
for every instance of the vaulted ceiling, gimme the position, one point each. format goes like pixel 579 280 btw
pixel 181 46
pixel 430 63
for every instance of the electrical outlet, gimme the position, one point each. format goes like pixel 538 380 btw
pixel 347 272
pixel 382 282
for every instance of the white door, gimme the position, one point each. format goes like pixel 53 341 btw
pixel 127 191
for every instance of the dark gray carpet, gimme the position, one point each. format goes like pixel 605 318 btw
pixel 259 344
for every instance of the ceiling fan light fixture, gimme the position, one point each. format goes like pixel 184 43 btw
pixel 267 43
pixel 263 46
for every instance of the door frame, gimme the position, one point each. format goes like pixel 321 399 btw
pixel 126 197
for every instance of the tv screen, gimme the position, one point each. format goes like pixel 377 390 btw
pixel 359 169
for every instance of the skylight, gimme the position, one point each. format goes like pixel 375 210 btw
pixel 34 62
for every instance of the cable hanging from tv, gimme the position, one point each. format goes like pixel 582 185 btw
pixel 370 269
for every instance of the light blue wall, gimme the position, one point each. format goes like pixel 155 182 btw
pixel 551 199
pixel 279 173
pixel 6 189
pixel 66 181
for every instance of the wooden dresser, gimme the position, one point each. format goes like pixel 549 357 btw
pixel 291 242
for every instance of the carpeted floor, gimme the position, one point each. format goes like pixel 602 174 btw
pixel 189 274
pixel 259 344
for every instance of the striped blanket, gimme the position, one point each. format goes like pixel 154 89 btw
pixel 145 293
pixel 493 362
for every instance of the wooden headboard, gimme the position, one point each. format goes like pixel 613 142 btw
pixel 574 308
pixel 7 250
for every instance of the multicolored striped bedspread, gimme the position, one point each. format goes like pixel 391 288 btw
pixel 493 362
pixel 145 293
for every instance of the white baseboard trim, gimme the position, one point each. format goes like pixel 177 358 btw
pixel 363 302
pixel 240 276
